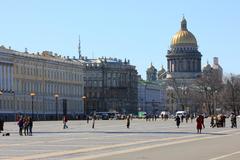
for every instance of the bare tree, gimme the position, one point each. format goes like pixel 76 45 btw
pixel 209 87
pixel 179 92
pixel 231 94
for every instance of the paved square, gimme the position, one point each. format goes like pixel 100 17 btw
pixel 112 140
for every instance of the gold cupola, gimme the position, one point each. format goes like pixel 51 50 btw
pixel 183 37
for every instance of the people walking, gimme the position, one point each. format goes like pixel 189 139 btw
pixel 192 117
pixel 182 117
pixel 202 117
pixel 94 118
pixel 20 124
pixel 233 121
pixel 187 117
pixel 87 118
pixel 1 125
pixel 147 116
pixel 30 126
pixel 65 120
pixel 25 125
pixel 212 124
pixel 199 121
pixel 177 119
pixel 128 121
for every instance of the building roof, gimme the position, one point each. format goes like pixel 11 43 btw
pixel 183 37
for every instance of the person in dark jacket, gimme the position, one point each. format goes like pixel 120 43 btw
pixel 128 121
pixel 182 118
pixel 25 125
pixel 65 120
pixel 30 125
pixel 233 120
pixel 94 118
pixel 1 124
pixel 20 124
pixel 177 119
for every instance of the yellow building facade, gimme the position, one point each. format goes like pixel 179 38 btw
pixel 45 85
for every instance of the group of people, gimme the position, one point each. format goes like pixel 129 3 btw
pixel 180 119
pixel 25 125
pixel 218 121
pixel 150 117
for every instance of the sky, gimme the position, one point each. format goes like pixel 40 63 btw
pixel 138 30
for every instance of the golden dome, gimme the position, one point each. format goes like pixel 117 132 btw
pixel 183 37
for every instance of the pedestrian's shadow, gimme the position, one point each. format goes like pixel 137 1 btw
pixel 146 132
pixel 128 132
pixel 123 132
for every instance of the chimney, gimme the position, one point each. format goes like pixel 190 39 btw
pixel 215 60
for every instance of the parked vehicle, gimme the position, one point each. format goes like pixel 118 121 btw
pixel 142 114
pixel 181 113
pixel 112 115
pixel 102 115
pixel 105 116
pixel 164 114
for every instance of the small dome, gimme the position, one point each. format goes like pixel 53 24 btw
pixel 184 37
pixel 162 70
pixel 207 67
pixel 151 67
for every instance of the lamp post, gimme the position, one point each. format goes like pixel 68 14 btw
pixel 32 94
pixel 183 97
pixel 84 104
pixel 215 101
pixel 208 98
pixel 56 103
pixel 153 107
pixel 171 101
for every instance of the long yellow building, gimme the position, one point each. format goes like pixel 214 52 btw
pixel 45 85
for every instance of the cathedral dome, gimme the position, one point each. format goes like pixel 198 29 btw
pixel 151 69
pixel 184 37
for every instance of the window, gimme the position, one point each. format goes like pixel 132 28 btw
pixel 100 83
pixel 95 83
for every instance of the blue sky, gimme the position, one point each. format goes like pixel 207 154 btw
pixel 139 30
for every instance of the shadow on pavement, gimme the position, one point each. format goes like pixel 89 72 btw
pixel 123 132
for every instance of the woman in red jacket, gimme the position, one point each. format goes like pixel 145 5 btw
pixel 199 121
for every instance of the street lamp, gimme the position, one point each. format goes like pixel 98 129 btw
pixel 153 107
pixel 84 104
pixel 56 102
pixel 215 101
pixel 183 97
pixel 32 94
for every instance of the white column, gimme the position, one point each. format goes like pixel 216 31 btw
pixel 1 77
pixel 4 77
pixel 11 78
